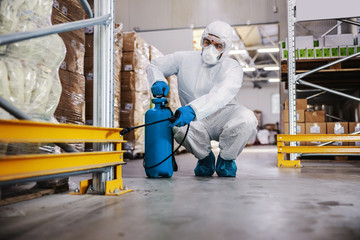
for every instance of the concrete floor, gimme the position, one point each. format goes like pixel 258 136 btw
pixel 319 201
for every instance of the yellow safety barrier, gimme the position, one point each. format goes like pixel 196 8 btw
pixel 283 149
pixel 18 167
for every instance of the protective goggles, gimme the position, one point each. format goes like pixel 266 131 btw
pixel 208 39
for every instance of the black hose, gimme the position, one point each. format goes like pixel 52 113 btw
pixel 172 154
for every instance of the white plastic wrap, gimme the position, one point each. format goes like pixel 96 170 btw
pixel 29 76
pixel 29 69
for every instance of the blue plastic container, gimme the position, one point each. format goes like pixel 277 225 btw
pixel 158 140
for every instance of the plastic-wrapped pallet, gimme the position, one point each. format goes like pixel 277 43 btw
pixel 89 53
pixel 135 93
pixel 173 96
pixel 29 69
pixel 71 108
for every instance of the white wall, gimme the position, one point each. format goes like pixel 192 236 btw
pixel 259 99
pixel 167 14
pixel 170 41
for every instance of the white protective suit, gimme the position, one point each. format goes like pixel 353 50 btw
pixel 211 92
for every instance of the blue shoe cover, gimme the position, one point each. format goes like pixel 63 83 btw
pixel 206 166
pixel 225 168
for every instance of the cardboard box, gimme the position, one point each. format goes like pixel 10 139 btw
pixel 339 39
pixel 300 128
pixel 326 52
pixel 315 128
pixel 319 42
pixel 351 50
pixel 128 81
pixel 319 52
pixel 343 51
pixel 132 41
pixel 137 99
pixel 334 52
pixel 284 54
pixel 304 42
pixel 301 104
pixel 300 115
pixel 283 45
pixel 302 53
pixel 354 127
pixel 89 45
pixel 75 46
pixel 337 128
pixel 88 67
pixel 357 49
pixel 154 53
pixel 71 108
pixel 310 53
pixel 70 9
pixel 128 61
pixel 314 116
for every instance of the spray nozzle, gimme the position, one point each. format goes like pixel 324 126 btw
pixel 126 130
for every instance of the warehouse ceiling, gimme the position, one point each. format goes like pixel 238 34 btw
pixel 256 48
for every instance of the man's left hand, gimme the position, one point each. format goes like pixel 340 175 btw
pixel 187 114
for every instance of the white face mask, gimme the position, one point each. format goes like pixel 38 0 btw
pixel 210 55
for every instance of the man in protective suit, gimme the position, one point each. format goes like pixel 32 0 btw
pixel 208 82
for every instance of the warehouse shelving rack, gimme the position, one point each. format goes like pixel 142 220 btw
pixel 294 79
pixel 105 164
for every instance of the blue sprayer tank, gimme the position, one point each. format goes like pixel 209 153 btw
pixel 158 140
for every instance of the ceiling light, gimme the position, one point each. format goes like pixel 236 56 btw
pixel 268 50
pixel 237 51
pixel 274 80
pixel 249 69
pixel 273 68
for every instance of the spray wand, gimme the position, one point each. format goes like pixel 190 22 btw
pixel 171 119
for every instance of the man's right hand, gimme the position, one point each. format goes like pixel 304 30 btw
pixel 160 88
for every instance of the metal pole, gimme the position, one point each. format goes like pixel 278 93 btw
pixel 315 95
pixel 58 28
pixel 291 71
pixel 331 29
pixel 104 83
pixel 302 75
pixel 328 90
pixel 86 7
pixel 350 21
pixel 22 116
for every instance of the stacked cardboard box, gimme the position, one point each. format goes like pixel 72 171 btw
pixel 71 108
pixel 301 106
pixel 173 96
pixel 314 122
pixel 89 72
pixel 329 46
pixel 354 127
pixel 135 91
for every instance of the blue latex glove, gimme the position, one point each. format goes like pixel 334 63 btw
pixel 160 88
pixel 187 114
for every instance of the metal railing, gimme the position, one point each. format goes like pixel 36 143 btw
pixel 103 20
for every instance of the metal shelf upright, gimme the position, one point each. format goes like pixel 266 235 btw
pixel 294 79
pixel 104 164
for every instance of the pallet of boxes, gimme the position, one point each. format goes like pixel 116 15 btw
pixel 89 74
pixel 135 92
pixel 311 121
pixel 71 107
pixel 173 95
